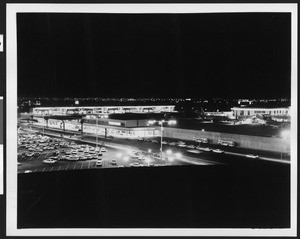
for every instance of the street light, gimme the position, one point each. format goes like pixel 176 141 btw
pixel 44 123
pixel 97 131
pixel 126 158
pixel 169 151
pixel 161 122
pixel 178 155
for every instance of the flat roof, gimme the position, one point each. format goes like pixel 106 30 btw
pixel 93 107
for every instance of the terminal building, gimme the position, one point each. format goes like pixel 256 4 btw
pixel 100 109
pixel 130 125
pixel 251 111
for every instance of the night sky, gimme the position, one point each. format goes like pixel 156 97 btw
pixel 154 55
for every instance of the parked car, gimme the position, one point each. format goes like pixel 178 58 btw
pixel 99 163
pixel 218 151
pixel 50 161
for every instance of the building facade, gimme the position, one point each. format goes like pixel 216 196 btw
pixel 101 109
pixel 249 111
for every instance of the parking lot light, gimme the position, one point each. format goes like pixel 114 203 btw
pixel 178 155
pixel 161 123
pixel 149 151
pixel 148 160
pixel 169 151
pixel 119 155
pixel 126 158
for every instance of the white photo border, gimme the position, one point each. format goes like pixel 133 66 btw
pixel 11 115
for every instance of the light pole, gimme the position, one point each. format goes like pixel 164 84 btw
pixel 161 122
pixel 44 123
pixel 96 132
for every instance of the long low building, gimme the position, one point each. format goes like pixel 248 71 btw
pixel 101 109
pixel 104 127
pixel 251 111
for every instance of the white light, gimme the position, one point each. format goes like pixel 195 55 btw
pixel 172 122
pixel 178 155
pixel 151 121
pixel 171 159
pixel 149 151
pixel 105 116
pixel 203 130
pixel 119 155
pixel 126 158
pixel 169 151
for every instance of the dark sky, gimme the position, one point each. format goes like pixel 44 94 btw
pixel 154 55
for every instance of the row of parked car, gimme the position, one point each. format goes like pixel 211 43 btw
pixel 78 152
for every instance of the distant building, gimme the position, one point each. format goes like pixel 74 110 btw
pixel 101 109
pixel 251 111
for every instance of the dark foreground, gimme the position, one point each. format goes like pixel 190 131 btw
pixel 250 195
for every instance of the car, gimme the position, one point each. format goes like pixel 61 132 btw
pixel 142 157
pixel 51 161
pixel 103 149
pixel 37 153
pixel 135 156
pixel 29 154
pixel 88 156
pixel 172 143
pixel 156 156
pixel 252 156
pixel 190 146
pixel 164 142
pixel 121 166
pixel 153 141
pixel 206 149
pixel 140 139
pixel 134 165
pixel 54 157
pixel 182 145
pixel 218 151
pixel 113 162
pixel 82 157
pixel 99 163
pixel 66 157
pixel 99 157
pixel 28 171
pixel 74 158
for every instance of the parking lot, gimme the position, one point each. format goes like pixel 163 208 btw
pixel 41 153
